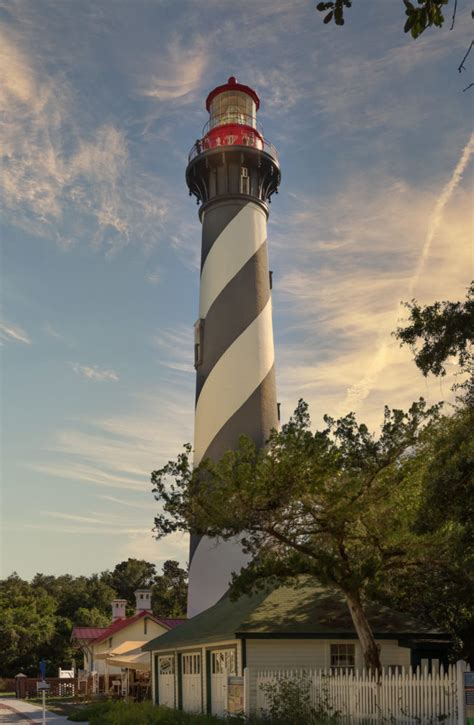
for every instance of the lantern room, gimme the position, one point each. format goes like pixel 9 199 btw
pixel 232 158
pixel 233 117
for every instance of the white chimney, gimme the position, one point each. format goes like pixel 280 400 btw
pixel 118 609
pixel 143 600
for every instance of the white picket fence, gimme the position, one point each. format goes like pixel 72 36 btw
pixel 361 697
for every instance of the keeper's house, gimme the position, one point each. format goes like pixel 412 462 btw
pixel 196 665
pixel 114 651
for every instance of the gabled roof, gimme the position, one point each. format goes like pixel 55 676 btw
pixel 120 624
pixel 98 634
pixel 304 610
pixel 87 633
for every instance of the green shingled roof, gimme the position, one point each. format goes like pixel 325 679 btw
pixel 304 609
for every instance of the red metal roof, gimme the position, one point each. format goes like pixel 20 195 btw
pixel 89 633
pixel 98 634
pixel 232 85
pixel 122 623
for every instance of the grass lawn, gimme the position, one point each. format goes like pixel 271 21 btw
pixel 145 713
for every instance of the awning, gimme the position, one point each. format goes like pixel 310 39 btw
pixel 121 649
pixel 138 661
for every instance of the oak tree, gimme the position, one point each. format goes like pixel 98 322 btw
pixel 337 504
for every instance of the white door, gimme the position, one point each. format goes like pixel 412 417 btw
pixel 191 682
pixel 222 665
pixel 166 680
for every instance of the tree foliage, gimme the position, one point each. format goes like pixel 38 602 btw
pixel 336 504
pixel 128 576
pixel 441 331
pixel 170 591
pixel 420 16
pixel 37 617
pixel 27 625
pixel 441 587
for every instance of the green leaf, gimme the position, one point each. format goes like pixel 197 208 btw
pixel 328 18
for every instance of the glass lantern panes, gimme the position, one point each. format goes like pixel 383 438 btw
pixel 233 107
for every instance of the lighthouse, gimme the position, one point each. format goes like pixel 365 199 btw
pixel 232 171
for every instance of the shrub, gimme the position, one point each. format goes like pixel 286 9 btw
pixel 289 702
pixel 143 713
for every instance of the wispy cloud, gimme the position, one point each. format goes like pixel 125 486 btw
pixel 76 183
pixel 9 333
pixel 179 70
pixel 125 502
pixel 120 451
pixel 154 276
pixel 338 293
pixel 93 474
pixel 143 545
pixel 175 348
pixel 362 388
pixel 436 217
pixel 93 372
pixel 103 520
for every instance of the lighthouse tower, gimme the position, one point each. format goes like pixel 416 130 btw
pixel 233 171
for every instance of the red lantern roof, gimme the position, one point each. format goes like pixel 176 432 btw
pixel 232 85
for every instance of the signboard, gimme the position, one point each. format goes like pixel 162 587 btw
pixel 43 685
pixel 235 695
pixel 42 669
pixel 468 680
pixel 469 696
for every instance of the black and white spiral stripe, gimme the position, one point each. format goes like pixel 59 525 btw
pixel 236 392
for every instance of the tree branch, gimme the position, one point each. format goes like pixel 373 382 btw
pixel 461 65
pixel 289 542
pixel 453 20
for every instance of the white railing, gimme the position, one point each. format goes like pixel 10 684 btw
pixel 401 697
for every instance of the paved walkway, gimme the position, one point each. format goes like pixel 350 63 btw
pixel 21 712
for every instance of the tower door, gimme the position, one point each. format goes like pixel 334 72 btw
pixel 222 665
pixel 191 682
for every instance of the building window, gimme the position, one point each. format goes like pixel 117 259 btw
pixel 145 625
pixel 166 665
pixel 223 662
pixel 110 642
pixel 244 180
pixel 342 656
pixel 191 664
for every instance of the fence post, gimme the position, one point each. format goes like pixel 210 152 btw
pixel 20 686
pixel 246 692
pixel 461 668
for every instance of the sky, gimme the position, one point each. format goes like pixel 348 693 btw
pixel 101 101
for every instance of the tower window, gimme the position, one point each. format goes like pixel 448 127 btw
pixel 198 336
pixel 270 278
pixel 244 180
